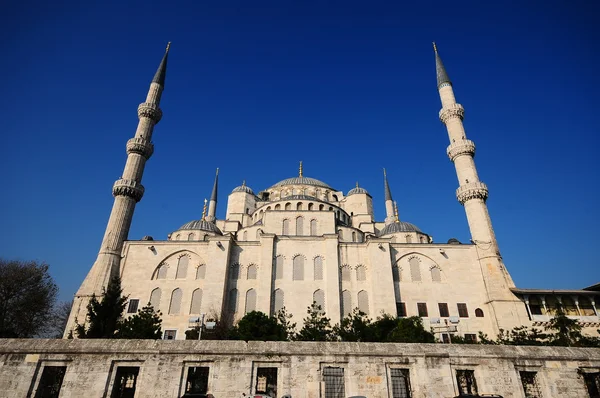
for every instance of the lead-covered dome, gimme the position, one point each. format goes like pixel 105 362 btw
pixel 243 188
pixel 357 190
pixel 301 180
pixel 201 225
pixel 399 226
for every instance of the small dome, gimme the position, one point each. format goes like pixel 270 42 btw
pixel 202 225
pixel 357 190
pixel 454 241
pixel 147 237
pixel 399 226
pixel 302 181
pixel 243 188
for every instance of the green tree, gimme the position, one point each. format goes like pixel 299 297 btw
pixel 410 330
pixel 383 326
pixel 317 326
pixel 285 320
pixel 257 325
pixel 103 317
pixel 145 324
pixel 355 327
pixel 27 297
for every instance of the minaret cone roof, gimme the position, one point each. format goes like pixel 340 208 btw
pixel 388 193
pixel 213 196
pixel 161 72
pixel 442 75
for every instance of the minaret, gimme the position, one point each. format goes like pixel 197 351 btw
pixel 127 190
pixel 389 202
pixel 471 192
pixel 212 205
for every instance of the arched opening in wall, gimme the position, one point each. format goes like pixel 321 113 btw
pixel 345 273
pixel 288 206
pixel 205 237
pixel 182 266
pixel 363 302
pixel 478 313
pixel 353 236
pixel 334 197
pixel 161 271
pixel 346 303
pixel 436 274
pixel 201 271
pixel 247 210
pixel 586 307
pixel 245 236
pixel 250 301
pixel 277 302
pixel 299 225
pixel 278 267
pixel 190 236
pixel 310 206
pixel 286 227
pixel 234 271
pixel 361 273
pixel 318 268
pixel 298 268
pixel 278 207
pixel 251 272
pixel 155 299
pixel 330 208
pixel 415 269
pixel 232 303
pixel 321 207
pixel 408 239
pixel 299 206
pixel 313 227
pixel 319 299
pixel 175 304
pixel 195 307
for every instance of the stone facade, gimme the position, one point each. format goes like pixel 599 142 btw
pixel 301 369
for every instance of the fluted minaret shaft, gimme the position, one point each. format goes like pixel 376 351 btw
pixel 212 205
pixel 390 216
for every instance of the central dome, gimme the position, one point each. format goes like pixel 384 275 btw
pixel 302 181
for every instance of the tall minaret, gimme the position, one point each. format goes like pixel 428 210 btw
pixel 127 190
pixel 390 216
pixel 212 205
pixel 472 193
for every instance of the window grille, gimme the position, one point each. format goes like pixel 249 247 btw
pixel 197 380
pixel 436 275
pixel 401 309
pixel 313 227
pixel 443 307
pixel 465 380
pixel 170 335
pixel 415 269
pixel 422 309
pixel 334 382
pixel 155 298
pixel 278 267
pixel 251 273
pixel 162 271
pixel 182 267
pixel 250 300
pixel 196 301
pixel 346 303
pixel 361 274
pixel 286 225
pixel 318 263
pixel 278 301
pixel 300 226
pixel 363 302
pixel 201 271
pixel 266 381
pixel 175 305
pixel 125 380
pixel 530 385
pixel 462 310
pixel 233 301
pixel 319 298
pixel 133 306
pixel 592 383
pixel 51 382
pixel 298 268
pixel 400 383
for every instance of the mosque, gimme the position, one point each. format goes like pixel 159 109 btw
pixel 303 240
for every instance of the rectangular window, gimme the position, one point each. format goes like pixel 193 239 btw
pixel 592 383
pixel 422 309
pixel 133 306
pixel 470 338
pixel 535 309
pixel 197 380
pixel 125 380
pixel 401 310
pixel 462 310
pixel 266 381
pixel 400 383
pixel 445 338
pixel 465 379
pixel 443 310
pixel 530 385
pixel 50 382
pixel 170 335
pixel 333 379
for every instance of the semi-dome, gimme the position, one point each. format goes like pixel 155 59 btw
pixel 399 226
pixel 357 190
pixel 202 225
pixel 301 180
pixel 243 188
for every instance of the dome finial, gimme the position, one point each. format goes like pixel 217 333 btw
pixel 204 209
pixel 356 184
pixel 243 183
pixel 396 211
pixel 300 171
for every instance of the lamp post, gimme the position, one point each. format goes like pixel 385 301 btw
pixel 201 326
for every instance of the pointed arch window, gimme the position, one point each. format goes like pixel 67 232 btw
pixel 250 301
pixel 286 227
pixel 182 266
pixel 278 207
pixel 162 271
pixel 191 237
pixel 313 227
pixel 436 274
pixel 408 239
pixel 341 234
pixel 345 271
pixel 233 301
pixel 361 274
pixel 288 206
pixel 310 206
pixel 278 271
pixel 415 269
pixel 299 225
pixel 175 304
pixel 196 305
pixel 318 268
pixel 346 303
pixel 277 302
pixel 298 268
pixel 251 272
pixel 201 271
pixel 299 206
pixel 155 298
pixel 363 301
pixel 319 298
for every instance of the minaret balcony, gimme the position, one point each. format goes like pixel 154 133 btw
pixel 472 190
pixel 452 111
pixel 140 146
pixel 463 147
pixel 131 188
pixel 150 110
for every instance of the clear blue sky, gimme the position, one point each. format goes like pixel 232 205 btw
pixel 347 87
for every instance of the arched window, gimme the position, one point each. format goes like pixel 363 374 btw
pixel 182 267
pixel 205 237
pixel 278 271
pixel 319 298
pixel 310 206
pixel 422 239
pixel 277 303
pixel 363 301
pixel 250 301
pixel 321 207
pixel 245 236
pixel 396 275
pixel 361 274
pixel 286 227
pixel 318 268
pixel 277 207
pixel 201 271
pixel 155 298
pixel 353 236
pixel 341 234
pixel 162 271
pixel 196 302
pixel 330 208
pixel 299 225
pixel 175 304
pixel 415 269
pixel 335 198
pixel 408 239
pixel 251 273
pixel 177 237
pixel 313 227
pixel 436 274
pixel 298 271
pixel 346 303
pixel 288 206
pixel 345 271
pixel 233 301
pixel 235 271
pixel 478 313
pixel 268 208
pixel 191 237
pixel 299 206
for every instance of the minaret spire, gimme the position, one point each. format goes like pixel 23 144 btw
pixel 212 206
pixel 442 75
pixel 127 190
pixel 389 203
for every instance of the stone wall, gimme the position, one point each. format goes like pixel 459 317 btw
pixel 91 366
